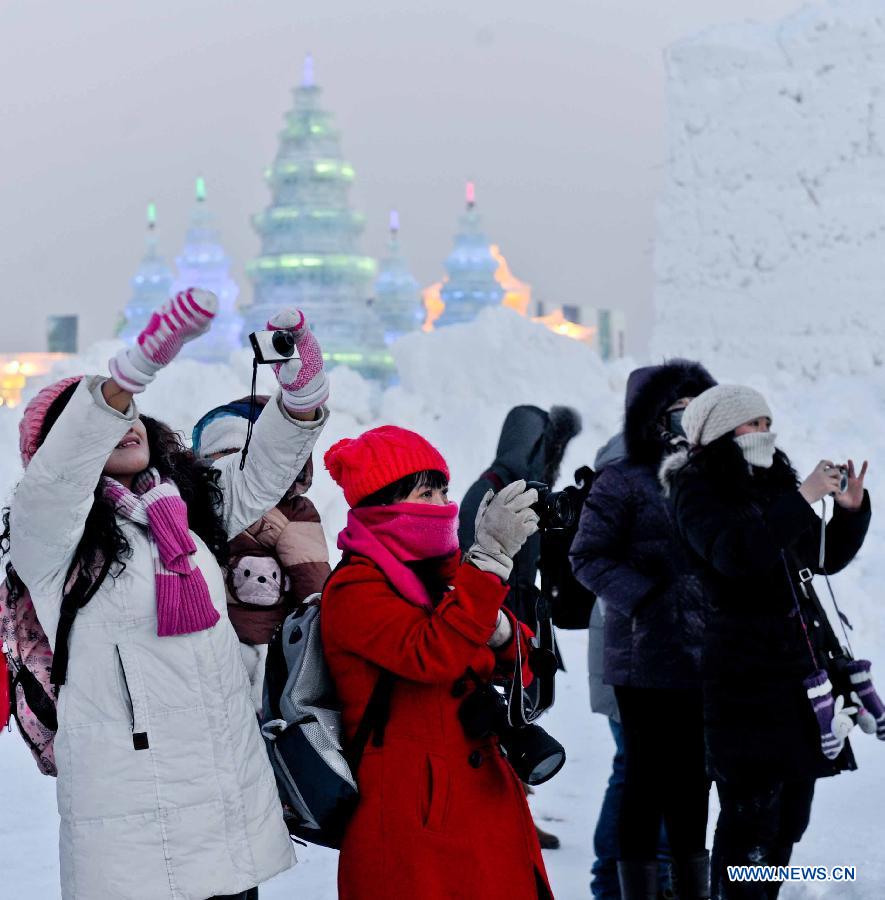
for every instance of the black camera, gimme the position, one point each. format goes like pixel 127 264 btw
pixel 557 510
pixel 535 756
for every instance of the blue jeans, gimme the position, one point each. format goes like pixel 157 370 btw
pixel 604 883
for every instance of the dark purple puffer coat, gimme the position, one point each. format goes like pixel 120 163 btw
pixel 627 551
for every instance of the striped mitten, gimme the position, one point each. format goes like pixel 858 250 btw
pixel 180 319
pixel 303 381
pixel 871 713
pixel 834 719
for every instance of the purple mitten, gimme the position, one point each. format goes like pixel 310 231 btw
pixel 833 718
pixel 302 381
pixel 871 716
pixel 180 319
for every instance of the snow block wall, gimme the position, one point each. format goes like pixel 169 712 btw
pixel 771 226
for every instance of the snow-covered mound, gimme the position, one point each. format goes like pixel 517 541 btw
pixel 771 235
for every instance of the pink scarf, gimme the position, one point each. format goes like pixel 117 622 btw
pixel 183 602
pixel 393 535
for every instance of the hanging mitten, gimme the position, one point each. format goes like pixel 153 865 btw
pixel 180 319
pixel 871 712
pixel 303 381
pixel 834 719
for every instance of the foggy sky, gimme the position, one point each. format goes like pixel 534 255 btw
pixel 556 109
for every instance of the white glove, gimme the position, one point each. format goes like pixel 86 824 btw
pixel 842 718
pixel 504 522
pixel 502 633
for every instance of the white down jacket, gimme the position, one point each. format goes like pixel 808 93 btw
pixel 196 812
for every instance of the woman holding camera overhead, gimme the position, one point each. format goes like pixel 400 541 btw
pixel 164 786
pixel 441 815
pixel 779 693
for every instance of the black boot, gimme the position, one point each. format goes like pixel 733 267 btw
pixel 693 876
pixel 638 879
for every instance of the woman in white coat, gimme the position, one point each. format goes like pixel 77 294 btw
pixel 164 787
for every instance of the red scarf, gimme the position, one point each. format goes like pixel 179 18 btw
pixel 393 535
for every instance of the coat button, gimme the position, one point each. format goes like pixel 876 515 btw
pixel 475 759
pixel 816 624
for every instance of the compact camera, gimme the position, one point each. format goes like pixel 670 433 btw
pixel 843 480
pixel 274 346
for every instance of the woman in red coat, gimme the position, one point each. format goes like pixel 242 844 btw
pixel 441 816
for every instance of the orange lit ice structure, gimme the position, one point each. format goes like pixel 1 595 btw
pixel 517 294
pixel 556 321
pixel 17 368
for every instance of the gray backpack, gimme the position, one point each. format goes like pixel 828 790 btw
pixel 301 725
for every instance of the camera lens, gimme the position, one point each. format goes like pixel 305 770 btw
pixel 535 755
pixel 283 342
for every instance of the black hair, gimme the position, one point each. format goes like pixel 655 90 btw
pixel 397 491
pixel 197 482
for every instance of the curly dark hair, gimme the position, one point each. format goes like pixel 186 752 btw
pixel 197 482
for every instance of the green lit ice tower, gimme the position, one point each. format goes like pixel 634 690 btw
pixel 203 263
pixel 309 241
pixel 397 293
pixel 151 284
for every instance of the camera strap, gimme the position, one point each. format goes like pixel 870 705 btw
pixel 822 565
pixel 251 425
pixel 543 664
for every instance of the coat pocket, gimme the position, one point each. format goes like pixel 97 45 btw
pixel 435 793
pixel 133 696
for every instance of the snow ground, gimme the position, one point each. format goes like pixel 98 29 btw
pixel 457 384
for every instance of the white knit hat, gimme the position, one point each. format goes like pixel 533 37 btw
pixel 222 434
pixel 720 410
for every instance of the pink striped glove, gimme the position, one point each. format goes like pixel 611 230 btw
pixel 180 319
pixel 302 381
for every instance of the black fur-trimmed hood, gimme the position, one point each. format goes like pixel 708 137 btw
pixel 650 390
pixel 533 442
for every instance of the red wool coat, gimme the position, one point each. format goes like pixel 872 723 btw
pixel 441 817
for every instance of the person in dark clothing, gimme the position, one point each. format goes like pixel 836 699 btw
pixel 604 883
pixel 531 447
pixel 741 510
pixel 627 552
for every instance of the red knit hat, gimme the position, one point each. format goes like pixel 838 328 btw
pixel 379 457
pixel 35 414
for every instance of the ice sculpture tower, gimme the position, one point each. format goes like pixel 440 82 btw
pixel 204 264
pixel 309 241
pixel 397 292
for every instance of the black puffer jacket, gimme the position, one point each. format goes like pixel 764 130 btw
pixel 753 532
pixel 531 447
pixel 626 548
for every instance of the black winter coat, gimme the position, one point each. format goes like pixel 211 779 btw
pixel 754 533
pixel 531 447
pixel 627 551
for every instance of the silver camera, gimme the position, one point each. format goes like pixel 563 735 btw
pixel 274 346
pixel 843 480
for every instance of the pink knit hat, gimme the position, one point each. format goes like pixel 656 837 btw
pixel 35 414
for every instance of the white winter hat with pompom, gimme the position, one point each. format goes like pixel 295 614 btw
pixel 721 409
